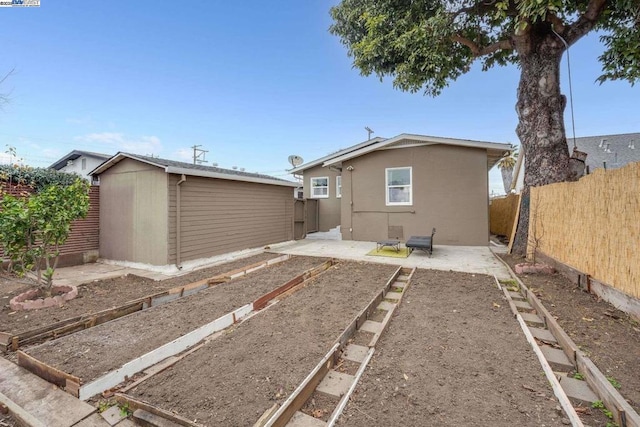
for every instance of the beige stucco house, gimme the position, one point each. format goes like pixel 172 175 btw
pixel 160 212
pixel 404 186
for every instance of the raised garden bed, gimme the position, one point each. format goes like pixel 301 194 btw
pixel 101 294
pixel 94 352
pixel 234 379
pixel 609 337
pixel 452 355
pixel 100 301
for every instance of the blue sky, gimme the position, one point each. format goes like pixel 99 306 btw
pixel 250 82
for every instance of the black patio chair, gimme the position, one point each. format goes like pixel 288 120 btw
pixel 424 243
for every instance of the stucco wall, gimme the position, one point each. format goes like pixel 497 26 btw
pixel 329 207
pixel 76 166
pixel 133 213
pixel 450 192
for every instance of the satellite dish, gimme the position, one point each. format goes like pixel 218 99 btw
pixel 295 160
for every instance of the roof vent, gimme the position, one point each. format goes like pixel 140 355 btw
pixel 632 145
pixel 601 145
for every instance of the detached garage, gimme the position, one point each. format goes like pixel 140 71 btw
pixel 159 212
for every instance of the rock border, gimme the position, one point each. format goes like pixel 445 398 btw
pixel 537 268
pixel 26 301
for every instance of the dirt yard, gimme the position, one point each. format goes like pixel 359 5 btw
pixel 608 336
pixel 453 355
pixel 93 352
pixel 99 295
pixel 235 378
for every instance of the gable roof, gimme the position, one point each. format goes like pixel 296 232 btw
pixel 495 150
pixel 619 153
pixel 180 168
pixel 75 154
pixel 316 162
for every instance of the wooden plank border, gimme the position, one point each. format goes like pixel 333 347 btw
pixel 139 404
pixel 159 354
pixel 297 399
pixel 304 390
pixel 75 385
pixel 261 302
pixel 623 413
pixel 68 382
pixel 85 321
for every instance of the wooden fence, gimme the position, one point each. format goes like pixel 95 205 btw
pixel 502 214
pixel 592 225
pixel 83 243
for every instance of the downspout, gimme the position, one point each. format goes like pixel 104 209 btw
pixel 350 169
pixel 183 178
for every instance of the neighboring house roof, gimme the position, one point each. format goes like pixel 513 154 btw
pixel 616 151
pixel 622 149
pixel 172 166
pixel 495 150
pixel 75 154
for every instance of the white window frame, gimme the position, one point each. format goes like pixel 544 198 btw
pixel 338 186
pixel 313 187
pixel 387 186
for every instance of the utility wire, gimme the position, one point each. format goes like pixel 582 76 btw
pixel 573 123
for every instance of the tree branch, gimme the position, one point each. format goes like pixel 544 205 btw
pixel 479 51
pixel 586 22
pixel 557 23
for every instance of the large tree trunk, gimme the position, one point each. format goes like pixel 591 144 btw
pixel 540 109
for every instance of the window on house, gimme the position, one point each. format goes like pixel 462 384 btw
pixel 320 188
pixel 84 164
pixel 398 181
pixel 338 186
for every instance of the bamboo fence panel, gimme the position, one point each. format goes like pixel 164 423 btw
pixel 502 213
pixel 592 225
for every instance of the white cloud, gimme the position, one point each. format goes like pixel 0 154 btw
pixel 7 159
pixel 120 142
pixel 184 154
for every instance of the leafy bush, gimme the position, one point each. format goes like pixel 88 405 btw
pixel 36 178
pixel 32 228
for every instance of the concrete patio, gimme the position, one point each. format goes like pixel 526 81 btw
pixel 468 259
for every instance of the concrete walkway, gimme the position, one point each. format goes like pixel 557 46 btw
pixel 467 259
pixel 80 274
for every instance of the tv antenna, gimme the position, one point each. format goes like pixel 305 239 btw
pixel 295 160
pixel 369 132
pixel 198 155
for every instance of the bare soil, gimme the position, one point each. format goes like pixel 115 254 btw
pixel 609 337
pixel 453 355
pixel 232 380
pixel 99 295
pixel 93 352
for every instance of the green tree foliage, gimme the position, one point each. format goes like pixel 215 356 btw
pixel 33 228
pixel 35 178
pixel 424 45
